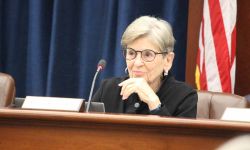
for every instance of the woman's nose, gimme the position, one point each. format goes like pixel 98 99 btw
pixel 138 60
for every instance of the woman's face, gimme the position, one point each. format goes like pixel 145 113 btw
pixel 151 71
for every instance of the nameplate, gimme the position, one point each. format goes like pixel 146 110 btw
pixel 53 103
pixel 236 114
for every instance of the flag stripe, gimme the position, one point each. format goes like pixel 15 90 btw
pixel 212 71
pixel 220 43
pixel 203 78
pixel 233 46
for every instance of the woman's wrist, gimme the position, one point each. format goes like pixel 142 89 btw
pixel 156 109
pixel 154 103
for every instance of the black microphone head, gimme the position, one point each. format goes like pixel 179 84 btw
pixel 101 64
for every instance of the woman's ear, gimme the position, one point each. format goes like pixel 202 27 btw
pixel 169 61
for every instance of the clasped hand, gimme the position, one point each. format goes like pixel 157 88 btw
pixel 141 87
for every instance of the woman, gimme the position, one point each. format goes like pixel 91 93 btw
pixel 148 45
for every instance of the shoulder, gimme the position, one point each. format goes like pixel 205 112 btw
pixel 108 89
pixel 170 80
pixel 112 81
pixel 179 85
pixel 178 88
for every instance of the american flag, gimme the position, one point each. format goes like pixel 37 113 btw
pixel 215 68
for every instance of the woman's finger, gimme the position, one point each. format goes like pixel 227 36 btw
pixel 128 91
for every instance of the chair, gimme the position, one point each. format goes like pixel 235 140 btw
pixel 7 90
pixel 211 105
pixel 247 97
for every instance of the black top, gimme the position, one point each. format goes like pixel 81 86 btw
pixel 177 98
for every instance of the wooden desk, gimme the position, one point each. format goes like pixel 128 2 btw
pixel 29 130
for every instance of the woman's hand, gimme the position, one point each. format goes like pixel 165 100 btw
pixel 141 87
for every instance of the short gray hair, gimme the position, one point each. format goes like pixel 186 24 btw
pixel 158 30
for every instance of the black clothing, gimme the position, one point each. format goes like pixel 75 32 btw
pixel 177 98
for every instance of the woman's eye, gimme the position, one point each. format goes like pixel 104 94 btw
pixel 131 53
pixel 148 54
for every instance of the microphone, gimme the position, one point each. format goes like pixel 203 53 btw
pixel 101 65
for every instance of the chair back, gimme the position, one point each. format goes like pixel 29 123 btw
pixel 211 105
pixel 7 90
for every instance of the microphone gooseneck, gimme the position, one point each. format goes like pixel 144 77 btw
pixel 101 65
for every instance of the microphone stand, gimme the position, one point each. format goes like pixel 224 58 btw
pixel 92 88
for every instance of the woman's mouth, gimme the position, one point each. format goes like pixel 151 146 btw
pixel 138 73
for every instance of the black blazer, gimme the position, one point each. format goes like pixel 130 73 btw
pixel 177 98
